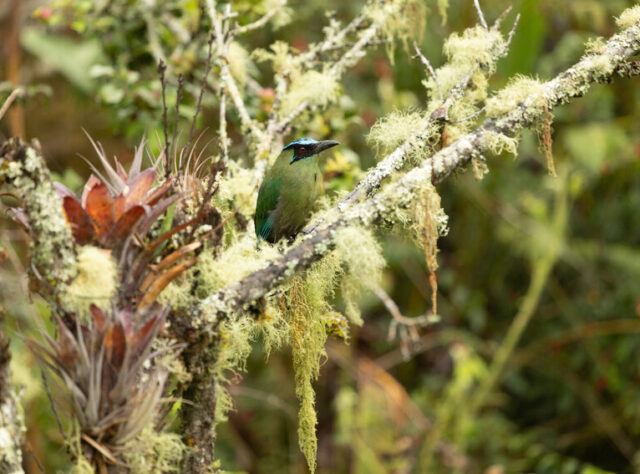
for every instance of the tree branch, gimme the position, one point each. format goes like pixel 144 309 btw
pixel 574 82
pixel 53 257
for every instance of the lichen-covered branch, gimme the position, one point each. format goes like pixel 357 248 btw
pixel 53 258
pixel 495 134
pixel 11 421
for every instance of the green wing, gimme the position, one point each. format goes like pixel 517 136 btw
pixel 268 196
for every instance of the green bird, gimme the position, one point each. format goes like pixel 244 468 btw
pixel 289 190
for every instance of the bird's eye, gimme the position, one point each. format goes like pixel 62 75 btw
pixel 302 149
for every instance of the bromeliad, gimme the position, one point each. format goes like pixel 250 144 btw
pixel 289 190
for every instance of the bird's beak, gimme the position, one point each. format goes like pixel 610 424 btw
pixel 325 144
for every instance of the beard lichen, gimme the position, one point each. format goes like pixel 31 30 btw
pixel 355 263
pixel 95 282
pixel 155 452
pixel 306 303
pixel 361 264
pixel 314 87
pixel 235 336
pixel 474 46
pixel 399 19
pixel 428 223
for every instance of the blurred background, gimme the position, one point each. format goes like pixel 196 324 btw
pixel 534 364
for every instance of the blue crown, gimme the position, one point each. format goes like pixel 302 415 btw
pixel 301 141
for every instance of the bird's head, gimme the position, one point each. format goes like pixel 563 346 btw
pixel 307 147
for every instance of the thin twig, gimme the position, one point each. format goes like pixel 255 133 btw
pixel 483 22
pixel 7 103
pixel 203 87
pixel 427 64
pixel 162 68
pixel 498 22
pixel 53 406
pixel 512 32
pixel 472 116
pixel 177 114
pixel 238 30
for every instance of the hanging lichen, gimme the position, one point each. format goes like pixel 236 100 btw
pixel 235 335
pixel 361 265
pixel 428 222
pixel 544 131
pixel 306 303
pixel 356 263
pixel 399 20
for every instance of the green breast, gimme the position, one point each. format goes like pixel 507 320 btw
pixel 286 197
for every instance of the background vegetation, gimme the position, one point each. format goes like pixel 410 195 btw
pixel 534 363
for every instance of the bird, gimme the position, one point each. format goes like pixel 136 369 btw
pixel 289 190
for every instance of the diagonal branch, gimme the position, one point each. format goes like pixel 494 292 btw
pixel 574 82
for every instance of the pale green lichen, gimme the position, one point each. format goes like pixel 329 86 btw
pixel 234 263
pixel 306 300
pixel 154 452
pixel 499 143
pixel 96 282
pixel 236 334
pixel 361 261
pixel 355 263
pixel 239 62
pixel 312 87
pixel 518 90
pixel 12 432
pixel 237 189
pixel 428 222
pixel 629 17
pixel 51 247
pixel 595 45
pixel 475 46
pixel 278 54
pixel 600 65
pixel 399 20
pixel 74 444
pixel 212 272
pixel 273 327
pixel 394 129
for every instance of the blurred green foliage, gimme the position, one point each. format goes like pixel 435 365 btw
pixel 567 400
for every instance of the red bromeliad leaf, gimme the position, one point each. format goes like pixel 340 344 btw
pixel 98 204
pixel 80 224
pixel 99 318
pixel 158 193
pixel 125 318
pixel 116 345
pixel 124 226
pixel 141 338
pixel 134 193
pixel 139 187
pixel 88 186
